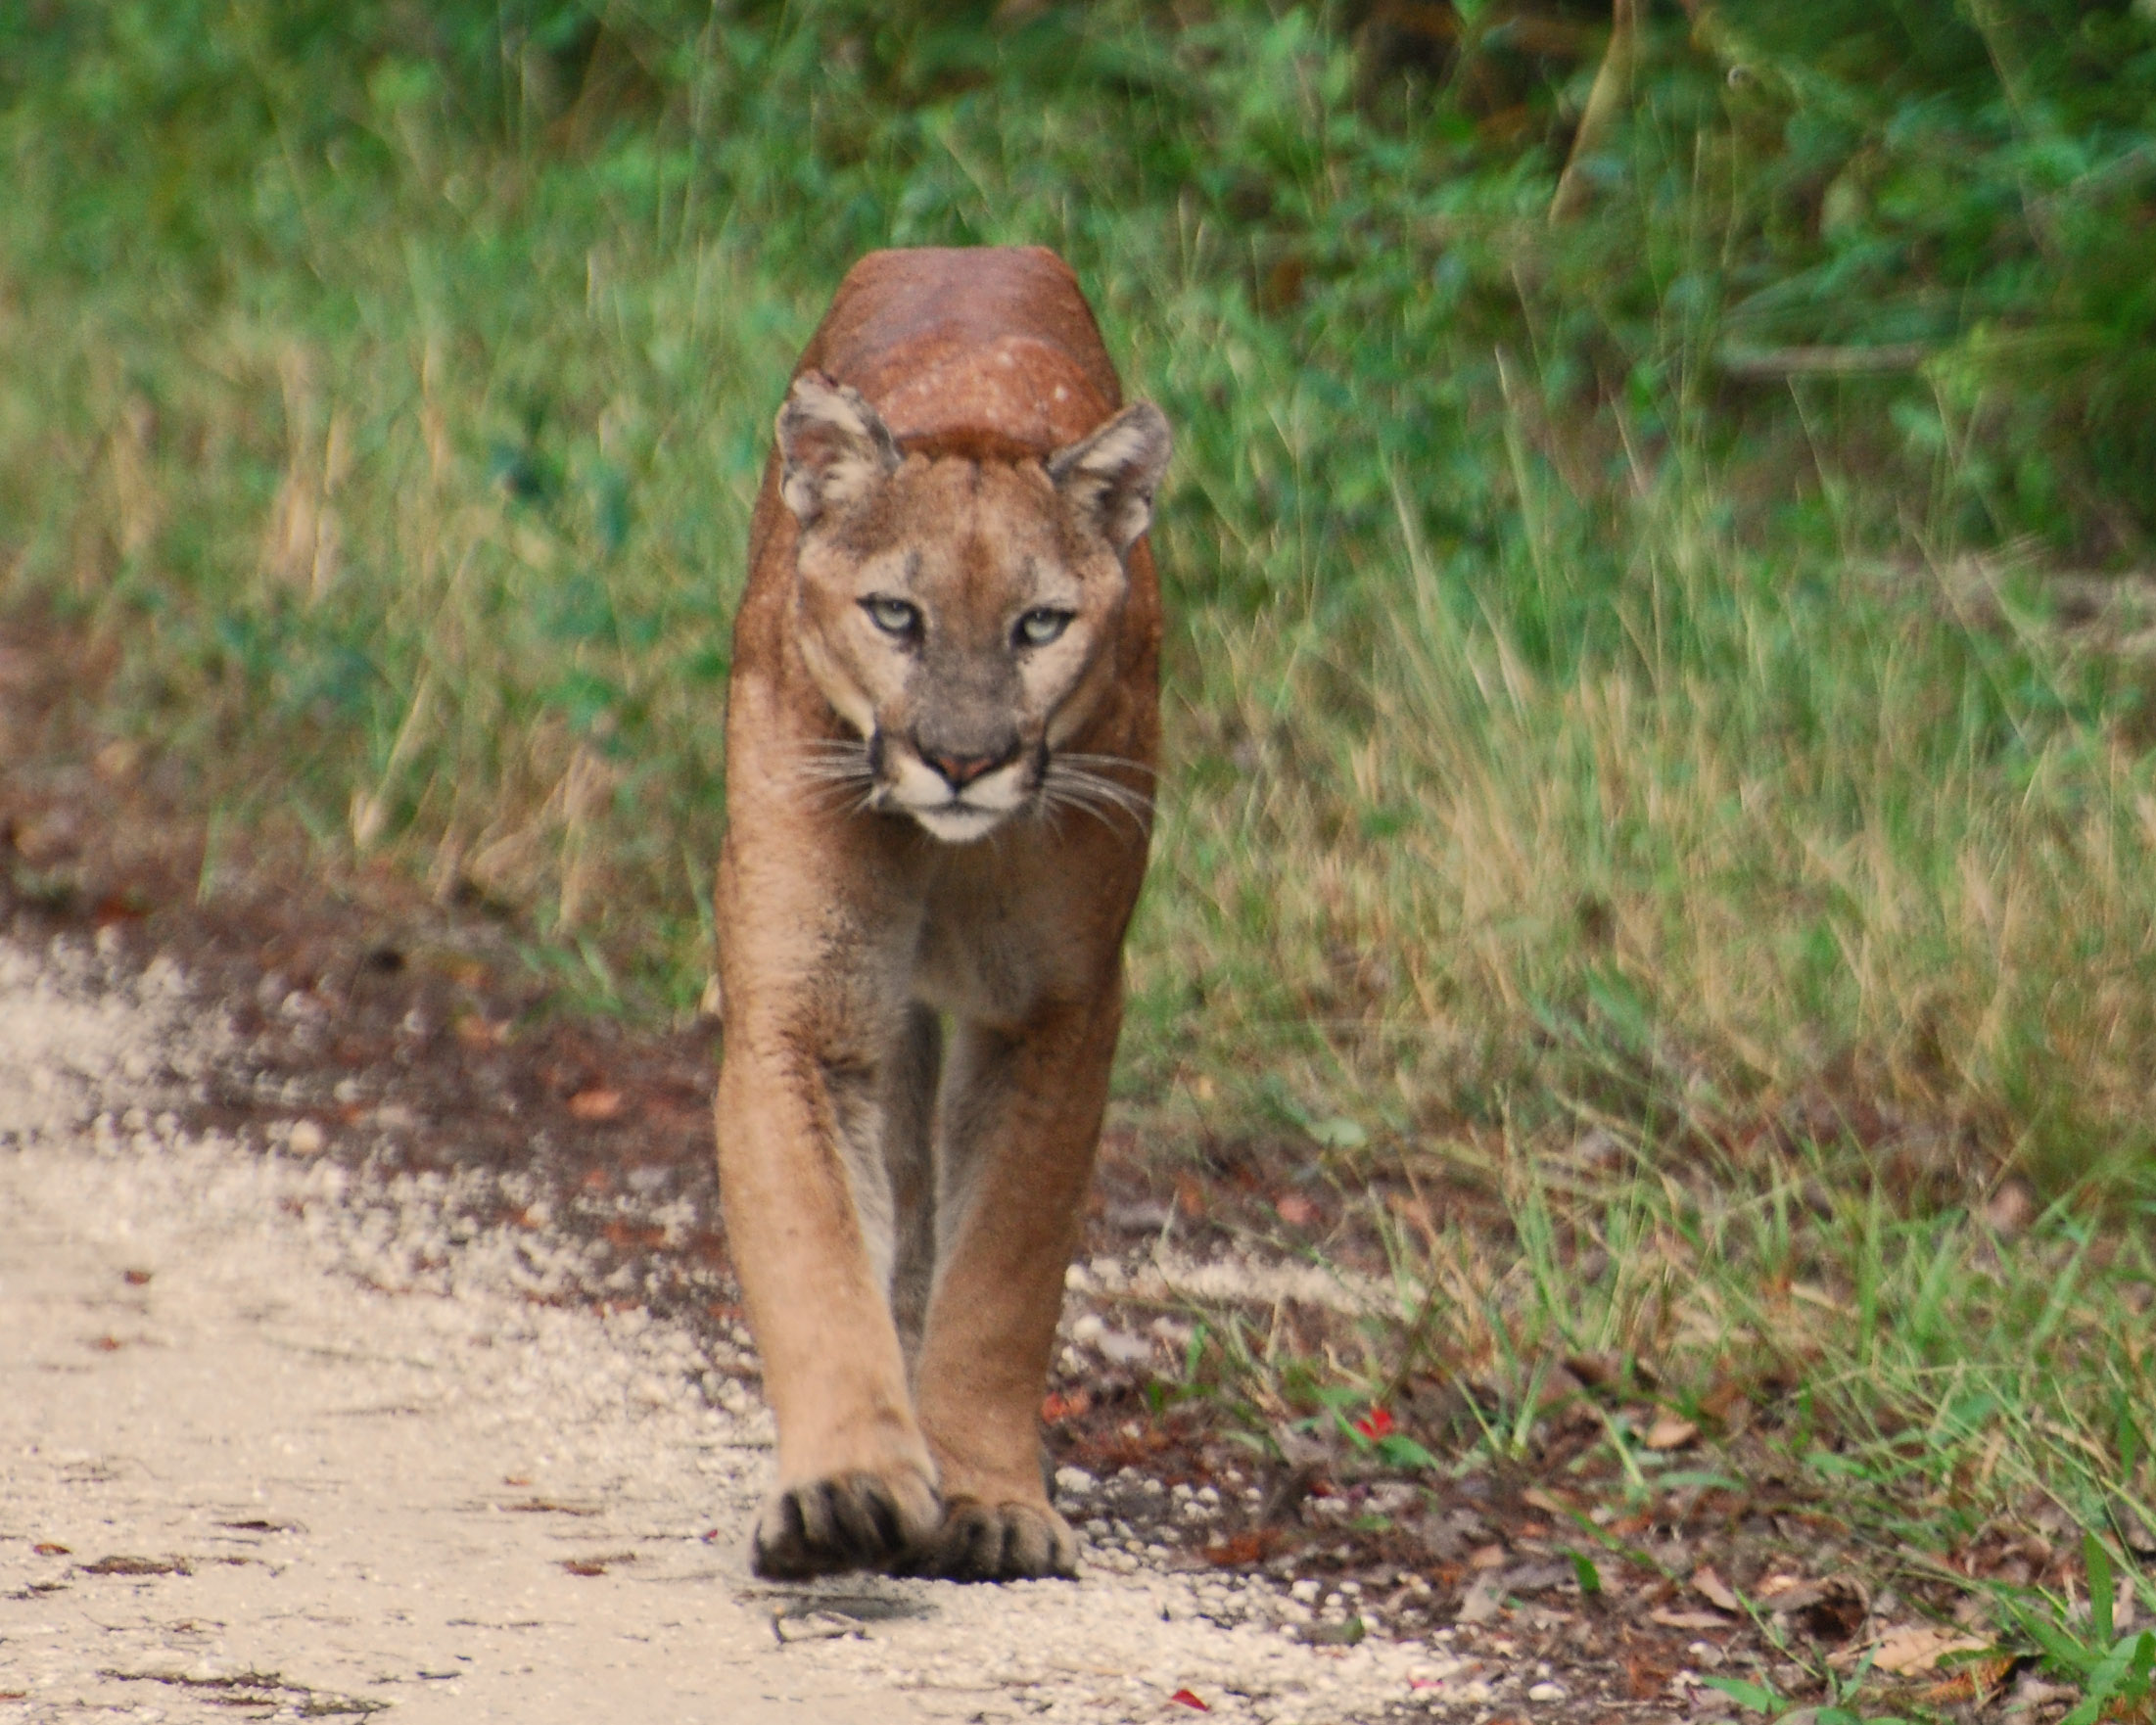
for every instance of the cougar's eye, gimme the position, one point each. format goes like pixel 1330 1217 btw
pixel 1036 629
pixel 895 617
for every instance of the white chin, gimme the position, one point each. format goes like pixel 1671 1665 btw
pixel 957 824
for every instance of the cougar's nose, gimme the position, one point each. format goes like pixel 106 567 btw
pixel 962 769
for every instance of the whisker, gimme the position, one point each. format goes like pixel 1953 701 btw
pixel 1052 804
pixel 1065 786
pixel 1123 761
pixel 1099 785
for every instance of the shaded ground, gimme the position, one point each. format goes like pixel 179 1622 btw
pixel 389 1036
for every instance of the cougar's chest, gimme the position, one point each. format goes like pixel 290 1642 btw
pixel 989 952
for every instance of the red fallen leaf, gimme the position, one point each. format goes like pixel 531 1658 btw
pixel 1241 1548
pixel 136 1278
pixel 1190 1701
pixel 1378 1423
pixel 583 1566
pixel 624 1237
pixel 46 1548
pixel 108 1345
pixel 1058 1407
pixel 595 1103
pixel 1294 1209
pixel 516 1479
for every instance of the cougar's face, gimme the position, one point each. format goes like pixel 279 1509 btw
pixel 961 615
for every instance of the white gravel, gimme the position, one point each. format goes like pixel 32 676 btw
pixel 273 1445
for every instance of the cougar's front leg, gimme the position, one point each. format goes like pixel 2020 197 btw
pixel 1019 1118
pixel 803 1094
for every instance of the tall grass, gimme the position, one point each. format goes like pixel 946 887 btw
pixel 1552 717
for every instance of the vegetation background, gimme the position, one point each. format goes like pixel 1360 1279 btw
pixel 1662 691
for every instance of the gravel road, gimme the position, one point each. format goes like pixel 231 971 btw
pixel 276 1444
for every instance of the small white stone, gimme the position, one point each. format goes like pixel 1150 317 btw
pixel 1546 1692
pixel 306 1139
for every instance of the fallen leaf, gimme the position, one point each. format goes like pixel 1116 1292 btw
pixel 814 1626
pixel 1976 1681
pixel 108 1345
pixel 1296 1210
pixel 1687 1619
pixel 122 1566
pixel 1184 1698
pixel 46 1548
pixel 1668 1433
pixel 2011 1208
pixel 1713 1589
pixel 1376 1424
pixel 1914 1648
pixel 595 1103
pixel 1489 1557
pixel 1536 1497
pixel 583 1566
pixel 1240 1549
pixel 1058 1407
pixel 137 1277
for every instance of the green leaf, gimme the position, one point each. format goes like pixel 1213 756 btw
pixel 2102 1586
pixel 1590 1578
pixel 1398 1450
pixel 1748 1695
pixel 1339 1133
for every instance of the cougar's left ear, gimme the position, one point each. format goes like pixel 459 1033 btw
pixel 1108 477
pixel 833 448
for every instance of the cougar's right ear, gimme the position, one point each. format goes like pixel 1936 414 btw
pixel 833 448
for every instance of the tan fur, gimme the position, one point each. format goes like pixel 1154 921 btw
pixel 940 744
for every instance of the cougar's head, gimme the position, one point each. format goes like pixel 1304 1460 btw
pixel 961 615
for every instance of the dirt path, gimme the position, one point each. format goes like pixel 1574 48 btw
pixel 274 1445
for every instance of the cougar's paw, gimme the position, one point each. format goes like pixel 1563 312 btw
pixel 995 1542
pixel 855 1521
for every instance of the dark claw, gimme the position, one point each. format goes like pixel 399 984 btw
pixel 854 1522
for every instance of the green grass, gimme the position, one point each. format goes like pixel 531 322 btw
pixel 1584 717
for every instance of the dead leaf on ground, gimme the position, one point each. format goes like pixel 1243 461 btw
pixel 1687 1619
pixel 596 1565
pixel 1668 1433
pixel 1976 1681
pixel 1058 1404
pixel 1296 1210
pixel 595 1103
pixel 126 1565
pixel 1241 1548
pixel 1713 1589
pixel 1911 1649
